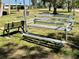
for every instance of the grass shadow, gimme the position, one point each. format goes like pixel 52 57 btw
pixel 15 51
pixel 11 33
pixel 6 50
pixel 74 42
pixel 53 45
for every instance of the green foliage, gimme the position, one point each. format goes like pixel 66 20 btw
pixel 40 4
pixel 16 37
pixel 76 54
pixel 67 52
pixel 77 3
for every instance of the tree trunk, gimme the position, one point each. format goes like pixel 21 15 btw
pixel 69 8
pixel 44 4
pixel 34 3
pixel 55 8
pixel 1 8
pixel 16 7
pixel 50 7
pixel 9 7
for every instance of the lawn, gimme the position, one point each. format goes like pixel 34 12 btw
pixel 16 44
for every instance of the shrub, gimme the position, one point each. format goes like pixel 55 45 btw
pixel 5 13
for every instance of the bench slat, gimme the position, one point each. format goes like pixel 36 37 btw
pixel 49 27
pixel 58 23
pixel 43 38
pixel 8 26
pixel 16 24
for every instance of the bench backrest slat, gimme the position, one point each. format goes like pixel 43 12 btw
pixel 17 24
pixel 6 26
pixel 12 25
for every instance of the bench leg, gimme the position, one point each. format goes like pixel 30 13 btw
pixel 8 32
pixel 18 28
pixel 3 32
pixel 22 29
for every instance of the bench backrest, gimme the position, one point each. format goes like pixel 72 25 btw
pixel 13 25
pixel 16 24
pixel 6 26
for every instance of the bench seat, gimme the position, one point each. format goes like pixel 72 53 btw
pixel 43 38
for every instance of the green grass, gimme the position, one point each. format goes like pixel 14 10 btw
pixel 14 17
pixel 17 38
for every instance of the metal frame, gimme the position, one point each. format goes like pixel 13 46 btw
pixel 25 16
pixel 36 25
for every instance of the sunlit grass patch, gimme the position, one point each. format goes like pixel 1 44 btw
pixel 16 42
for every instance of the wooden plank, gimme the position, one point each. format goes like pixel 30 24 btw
pixel 55 18
pixel 43 19
pixel 50 27
pixel 43 38
pixel 69 20
pixel 52 15
pixel 58 23
pixel 16 24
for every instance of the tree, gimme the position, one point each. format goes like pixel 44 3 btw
pixel 50 4
pixel 17 6
pixel 77 3
pixel 34 2
pixel 69 5
pixel 9 7
pixel 56 3
pixel 1 8
pixel 55 7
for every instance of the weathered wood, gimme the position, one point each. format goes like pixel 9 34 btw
pixel 48 19
pixel 44 38
pixel 58 23
pixel 52 15
pixel 50 27
pixel 13 25
pixel 62 20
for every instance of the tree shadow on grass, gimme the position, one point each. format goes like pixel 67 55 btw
pixel 5 50
pixel 58 36
pixel 74 42
pixel 15 51
pixel 56 47
pixel 11 33
pixel 73 39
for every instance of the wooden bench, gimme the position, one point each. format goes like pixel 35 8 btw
pixel 43 38
pixel 59 21
pixel 51 27
pixel 43 41
pixel 45 22
pixel 13 25
pixel 46 19
pixel 52 15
